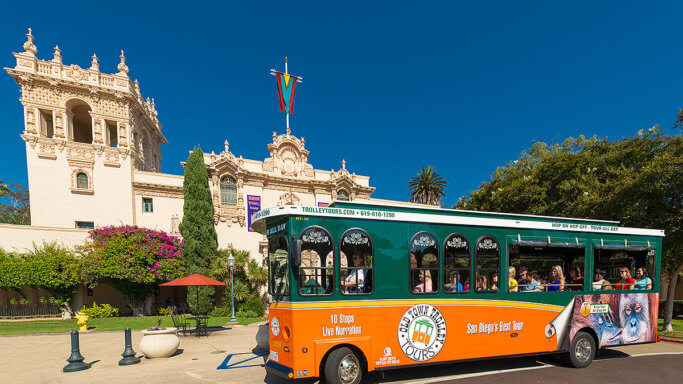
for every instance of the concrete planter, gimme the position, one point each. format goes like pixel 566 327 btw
pixel 161 343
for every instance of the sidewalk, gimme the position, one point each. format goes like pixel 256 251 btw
pixel 40 359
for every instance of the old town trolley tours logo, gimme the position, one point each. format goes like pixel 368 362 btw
pixel 422 332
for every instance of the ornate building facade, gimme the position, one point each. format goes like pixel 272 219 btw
pixel 93 148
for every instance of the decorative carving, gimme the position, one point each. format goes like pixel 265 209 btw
pixel 424 241
pixel 57 56
pixel 289 199
pixel 46 150
pixel 29 47
pixel 316 236
pixel 122 67
pixel 356 238
pixel 457 242
pixel 158 190
pixel 488 244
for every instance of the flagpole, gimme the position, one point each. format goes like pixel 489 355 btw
pixel 287 111
pixel 298 79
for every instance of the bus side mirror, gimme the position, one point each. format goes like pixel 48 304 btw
pixel 296 252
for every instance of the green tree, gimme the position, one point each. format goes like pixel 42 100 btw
pixel 15 209
pixel 636 181
pixel 49 266
pixel 197 227
pixel 427 187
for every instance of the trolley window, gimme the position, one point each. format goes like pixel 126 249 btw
pixel 487 262
pixel 424 263
pixel 356 263
pixel 456 261
pixel 278 271
pixel 316 272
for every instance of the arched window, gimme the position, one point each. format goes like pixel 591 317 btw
pixel 356 250
pixel 316 272
pixel 82 181
pixel 228 191
pixel 80 121
pixel 456 262
pixel 424 263
pixel 342 195
pixel 487 260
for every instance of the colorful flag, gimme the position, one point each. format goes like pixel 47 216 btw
pixel 286 85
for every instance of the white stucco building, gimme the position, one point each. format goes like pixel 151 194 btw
pixel 93 151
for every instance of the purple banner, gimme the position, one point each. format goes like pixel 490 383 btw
pixel 253 206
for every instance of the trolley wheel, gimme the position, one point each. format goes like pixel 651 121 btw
pixel 582 351
pixel 343 367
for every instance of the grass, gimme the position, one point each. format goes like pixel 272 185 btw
pixel 104 324
pixel 677 332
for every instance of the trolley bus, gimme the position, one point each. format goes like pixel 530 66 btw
pixel 358 287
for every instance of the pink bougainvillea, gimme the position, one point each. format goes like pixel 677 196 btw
pixel 134 254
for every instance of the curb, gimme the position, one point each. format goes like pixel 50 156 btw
pixel 666 340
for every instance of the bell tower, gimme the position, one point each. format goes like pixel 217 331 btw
pixel 86 132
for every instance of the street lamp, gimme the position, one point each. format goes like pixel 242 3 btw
pixel 231 264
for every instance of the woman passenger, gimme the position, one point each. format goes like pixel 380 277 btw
pixel 599 282
pixel 512 283
pixel 574 281
pixel 425 282
pixel 455 285
pixel 626 281
pixel 642 280
pixel 555 279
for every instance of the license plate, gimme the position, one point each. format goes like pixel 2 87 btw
pixel 273 356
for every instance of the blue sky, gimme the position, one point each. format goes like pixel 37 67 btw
pixel 463 86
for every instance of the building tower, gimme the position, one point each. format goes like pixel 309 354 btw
pixel 86 132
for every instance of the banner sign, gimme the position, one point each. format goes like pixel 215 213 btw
pixel 253 206
pixel 323 204
pixel 286 87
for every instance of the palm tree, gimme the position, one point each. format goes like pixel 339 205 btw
pixel 427 187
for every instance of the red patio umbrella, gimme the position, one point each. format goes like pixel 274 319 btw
pixel 193 280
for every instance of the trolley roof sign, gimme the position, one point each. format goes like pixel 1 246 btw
pixel 399 213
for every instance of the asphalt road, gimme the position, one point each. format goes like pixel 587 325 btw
pixel 611 366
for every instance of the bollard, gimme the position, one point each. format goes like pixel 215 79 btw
pixel 128 353
pixel 76 359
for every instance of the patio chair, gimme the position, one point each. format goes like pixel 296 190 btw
pixel 181 324
pixel 203 327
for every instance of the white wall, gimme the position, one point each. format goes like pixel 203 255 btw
pixel 19 238
pixel 53 203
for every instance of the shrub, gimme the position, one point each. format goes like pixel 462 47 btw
pixel 168 311
pixel 240 314
pixel 250 314
pixel 255 305
pixel 105 310
pixel 221 312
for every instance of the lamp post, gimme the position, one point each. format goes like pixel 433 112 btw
pixel 231 264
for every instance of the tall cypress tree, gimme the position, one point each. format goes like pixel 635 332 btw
pixel 199 235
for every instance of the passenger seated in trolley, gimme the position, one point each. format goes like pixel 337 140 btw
pixel 481 284
pixel 354 281
pixel 599 282
pixel 534 285
pixel 642 280
pixel 513 286
pixel 454 285
pixel 574 281
pixel 424 284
